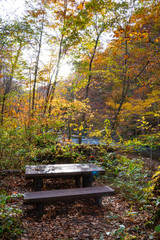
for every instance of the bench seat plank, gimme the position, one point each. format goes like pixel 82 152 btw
pixel 67 194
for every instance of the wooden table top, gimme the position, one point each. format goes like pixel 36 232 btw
pixel 62 170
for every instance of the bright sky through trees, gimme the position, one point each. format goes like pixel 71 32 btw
pixel 10 10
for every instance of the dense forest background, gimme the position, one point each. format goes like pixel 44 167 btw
pixel 112 92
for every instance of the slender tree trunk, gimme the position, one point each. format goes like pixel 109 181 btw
pixel 30 87
pixel 126 85
pixel 36 67
pixel 69 128
pixel 28 132
pixel 51 87
pixel 124 89
pixel 47 93
pixel 83 121
pixel 9 83
pixel 90 66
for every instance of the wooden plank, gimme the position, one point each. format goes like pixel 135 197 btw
pixel 62 170
pixel 67 194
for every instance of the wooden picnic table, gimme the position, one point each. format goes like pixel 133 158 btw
pixel 84 172
pixel 78 171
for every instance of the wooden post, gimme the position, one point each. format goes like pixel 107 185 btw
pixel 39 209
pixel 87 181
pixel 78 182
pixel 98 201
pixel 38 184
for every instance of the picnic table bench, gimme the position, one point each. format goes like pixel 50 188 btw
pixel 41 197
pixel 83 189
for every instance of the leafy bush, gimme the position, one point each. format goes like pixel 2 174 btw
pixel 134 144
pixel 126 175
pixel 18 147
pixel 152 141
pixel 9 217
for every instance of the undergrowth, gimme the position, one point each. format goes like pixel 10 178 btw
pixel 128 176
pixel 10 223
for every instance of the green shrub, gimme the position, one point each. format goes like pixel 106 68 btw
pixel 10 224
pixel 19 148
pixel 128 176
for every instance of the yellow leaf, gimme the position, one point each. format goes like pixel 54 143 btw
pixel 80 6
pixel 81 128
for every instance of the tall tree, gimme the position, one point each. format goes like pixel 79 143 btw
pixel 102 18
pixel 134 42
pixel 36 16
pixel 14 37
pixel 65 33
pixel 130 66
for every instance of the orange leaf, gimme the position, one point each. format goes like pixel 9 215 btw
pixel 14 192
pixel 80 6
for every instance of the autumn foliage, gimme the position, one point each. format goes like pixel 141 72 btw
pixel 115 80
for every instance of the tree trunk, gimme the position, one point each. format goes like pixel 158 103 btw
pixel 9 83
pixel 52 87
pixel 83 121
pixel 36 68
pixel 125 89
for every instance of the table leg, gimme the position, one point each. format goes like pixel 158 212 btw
pixel 39 210
pixel 98 201
pixel 38 184
pixel 78 182
pixel 87 181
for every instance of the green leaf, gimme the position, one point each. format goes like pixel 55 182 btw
pixel 157 229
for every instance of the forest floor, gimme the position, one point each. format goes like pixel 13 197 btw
pixel 78 220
